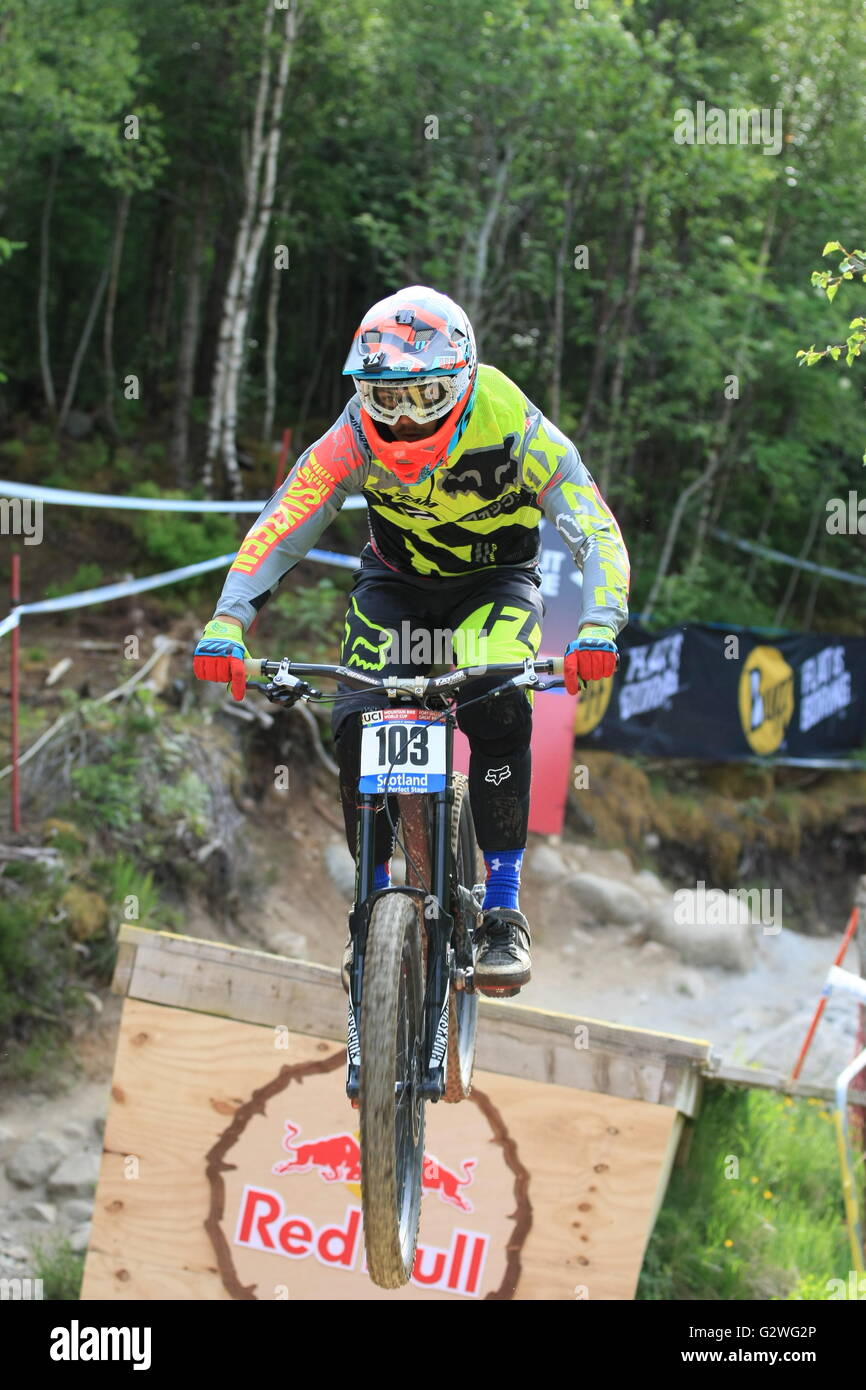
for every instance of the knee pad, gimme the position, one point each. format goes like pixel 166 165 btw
pixel 500 727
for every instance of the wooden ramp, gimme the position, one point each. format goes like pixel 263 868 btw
pixel 230 1168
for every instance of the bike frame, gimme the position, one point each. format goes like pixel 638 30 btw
pixel 288 684
pixel 437 921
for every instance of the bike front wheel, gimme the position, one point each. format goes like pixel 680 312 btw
pixel 391 1103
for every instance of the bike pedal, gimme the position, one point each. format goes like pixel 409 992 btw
pixel 499 993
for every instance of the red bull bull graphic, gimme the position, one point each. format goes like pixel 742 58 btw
pixel 263 1224
pixel 435 1177
pixel 337 1158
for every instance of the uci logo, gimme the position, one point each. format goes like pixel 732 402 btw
pixel 766 698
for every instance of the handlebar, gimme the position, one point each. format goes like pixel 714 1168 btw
pixel 294 674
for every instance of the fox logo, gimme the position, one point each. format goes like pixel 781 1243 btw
pixel 487 472
pixel 497 774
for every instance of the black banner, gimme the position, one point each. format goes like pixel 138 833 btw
pixel 700 692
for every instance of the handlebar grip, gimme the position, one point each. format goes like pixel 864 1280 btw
pixel 558 663
pixel 253 667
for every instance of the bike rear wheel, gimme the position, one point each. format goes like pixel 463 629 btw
pixel 463 1007
pixel 391 1105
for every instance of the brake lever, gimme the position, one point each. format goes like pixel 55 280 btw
pixel 279 694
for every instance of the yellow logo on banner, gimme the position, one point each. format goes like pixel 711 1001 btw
pixel 766 698
pixel 592 704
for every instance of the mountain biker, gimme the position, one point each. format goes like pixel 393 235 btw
pixel 457 468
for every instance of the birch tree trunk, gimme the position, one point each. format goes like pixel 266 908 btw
pixel 251 183
pixel 740 361
pixel 258 203
pixel 251 260
pixel 637 240
pixel 610 307
pixel 110 303
pixel 178 446
pixel 83 344
pixel 559 300
pixel 818 515
pixel 482 247
pixel 272 333
pixel 42 302
pixel 705 478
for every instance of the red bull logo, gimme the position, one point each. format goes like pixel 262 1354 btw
pixel 264 1225
pixel 337 1158
pixel 435 1177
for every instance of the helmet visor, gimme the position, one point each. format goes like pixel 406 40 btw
pixel 424 399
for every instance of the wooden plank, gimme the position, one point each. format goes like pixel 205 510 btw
pixel 664 1174
pixel 774 1081
pixel 536 1044
pixel 563 1187
pixel 124 962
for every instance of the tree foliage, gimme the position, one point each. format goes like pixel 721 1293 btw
pixel 520 156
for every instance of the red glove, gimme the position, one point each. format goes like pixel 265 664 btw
pixel 592 657
pixel 220 655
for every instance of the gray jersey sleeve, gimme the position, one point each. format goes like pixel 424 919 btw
pixel 571 501
pixel 293 520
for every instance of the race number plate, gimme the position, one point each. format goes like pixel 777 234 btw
pixel 404 748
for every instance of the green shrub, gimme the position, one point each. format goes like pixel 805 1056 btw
pixel 308 619
pixel 37 965
pixel 173 539
pixel 87 576
pixel 61 1271
pixel 129 890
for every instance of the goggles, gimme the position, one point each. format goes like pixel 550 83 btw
pixel 424 399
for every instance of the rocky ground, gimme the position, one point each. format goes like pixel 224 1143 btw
pixel 50 1152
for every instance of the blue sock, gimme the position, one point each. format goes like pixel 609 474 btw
pixel 382 875
pixel 503 877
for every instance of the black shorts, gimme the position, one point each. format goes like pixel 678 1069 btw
pixel 400 624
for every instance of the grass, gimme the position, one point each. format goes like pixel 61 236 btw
pixel 60 1270
pixel 757 1211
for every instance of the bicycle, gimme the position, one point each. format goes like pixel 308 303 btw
pixel 412 974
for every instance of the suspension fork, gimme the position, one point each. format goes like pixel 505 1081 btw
pixel 359 919
pixel 439 926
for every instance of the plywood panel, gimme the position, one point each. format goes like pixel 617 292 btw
pixel 255 987
pixel 535 1189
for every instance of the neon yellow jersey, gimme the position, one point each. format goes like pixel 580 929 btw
pixel 480 510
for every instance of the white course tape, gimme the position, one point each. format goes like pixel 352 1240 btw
pixel 106 592
pixel 844 979
pixel 65 497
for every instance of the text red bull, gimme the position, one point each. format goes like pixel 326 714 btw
pixel 264 1225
